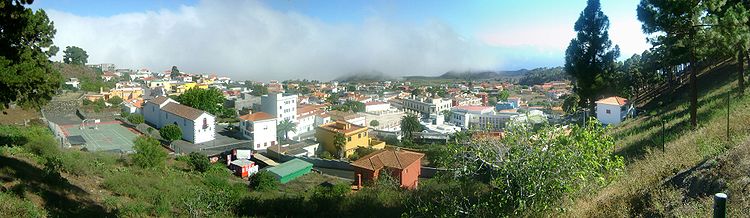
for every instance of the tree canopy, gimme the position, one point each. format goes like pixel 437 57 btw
pixel 210 100
pixel 75 55
pixel 171 132
pixel 148 153
pixel 26 74
pixel 591 54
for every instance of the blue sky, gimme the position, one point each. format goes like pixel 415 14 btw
pixel 505 35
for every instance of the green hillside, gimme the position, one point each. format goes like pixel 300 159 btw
pixel 695 164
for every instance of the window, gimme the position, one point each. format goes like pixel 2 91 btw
pixel 205 123
pixel 350 138
pixel 608 111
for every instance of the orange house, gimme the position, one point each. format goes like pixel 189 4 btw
pixel 404 166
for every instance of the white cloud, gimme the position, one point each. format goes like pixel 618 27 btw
pixel 249 40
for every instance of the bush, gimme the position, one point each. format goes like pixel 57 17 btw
pixel 171 132
pixel 374 123
pixel 125 114
pixel 198 162
pixel 148 153
pixel 263 181
pixel 114 100
pixel 135 119
pixel 326 155
pixel 87 102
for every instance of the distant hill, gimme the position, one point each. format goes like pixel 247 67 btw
pixel 365 77
pixel 75 71
pixel 474 75
pixel 543 75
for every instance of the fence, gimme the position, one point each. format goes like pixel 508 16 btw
pixel 56 131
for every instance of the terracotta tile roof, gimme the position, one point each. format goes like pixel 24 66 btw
pixel 304 109
pixel 388 158
pixel 614 100
pixel 159 100
pixel 257 116
pixel 182 111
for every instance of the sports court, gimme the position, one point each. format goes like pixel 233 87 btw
pixel 106 136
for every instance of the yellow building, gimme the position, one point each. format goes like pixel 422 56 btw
pixel 187 86
pixel 160 83
pixel 354 136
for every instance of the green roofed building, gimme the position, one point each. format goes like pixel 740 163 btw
pixel 290 170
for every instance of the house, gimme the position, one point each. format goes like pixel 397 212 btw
pixel 612 110
pixel 259 127
pixel 197 126
pixel 404 166
pixel 282 106
pixel 290 170
pixel 73 82
pixel 107 76
pixel 352 118
pixel 479 117
pixel 375 106
pixel 306 148
pixel 133 106
pixel 427 107
pixel 243 167
pixel 354 136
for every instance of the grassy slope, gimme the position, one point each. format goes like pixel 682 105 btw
pixel 649 186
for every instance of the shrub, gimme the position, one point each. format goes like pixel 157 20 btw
pixel 114 100
pixel 148 153
pixel 171 132
pixel 125 114
pixel 87 102
pixel 198 162
pixel 326 155
pixel 135 119
pixel 374 123
pixel 263 181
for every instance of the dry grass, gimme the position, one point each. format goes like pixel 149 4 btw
pixel 640 191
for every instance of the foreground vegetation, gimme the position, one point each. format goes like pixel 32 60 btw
pixel 693 165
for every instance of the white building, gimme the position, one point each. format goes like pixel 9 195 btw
pixel 309 117
pixel 281 106
pixel 352 118
pixel 259 127
pixel 426 106
pixel 197 126
pixel 612 110
pixel 480 117
pixel 375 106
pixel 74 83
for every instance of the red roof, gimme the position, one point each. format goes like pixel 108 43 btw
pixel 388 158
pixel 257 116
pixel 614 100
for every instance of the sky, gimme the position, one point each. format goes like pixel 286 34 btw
pixel 326 39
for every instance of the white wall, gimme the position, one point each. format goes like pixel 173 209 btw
pixel 200 134
pixel 613 117
pixel 377 107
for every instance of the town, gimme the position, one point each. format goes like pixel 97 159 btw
pixel 255 108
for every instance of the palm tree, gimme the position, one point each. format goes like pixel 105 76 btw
pixel 409 124
pixel 286 126
pixel 339 141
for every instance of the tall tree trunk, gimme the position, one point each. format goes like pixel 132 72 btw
pixel 741 74
pixel 693 90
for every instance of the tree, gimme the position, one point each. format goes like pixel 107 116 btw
pixel 409 124
pixel 75 55
pixel 286 126
pixel 148 153
pixel 570 103
pixel 258 90
pixel 503 95
pixel 374 123
pixel 339 141
pixel 210 100
pixel 27 77
pixel 263 181
pixel 175 72
pixel 198 162
pixel 171 132
pixel 590 55
pixel 114 100
pixel 135 119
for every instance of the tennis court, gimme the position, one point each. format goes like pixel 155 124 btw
pixel 110 136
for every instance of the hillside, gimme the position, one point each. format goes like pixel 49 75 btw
pixel 681 179
pixel 473 75
pixel 75 71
